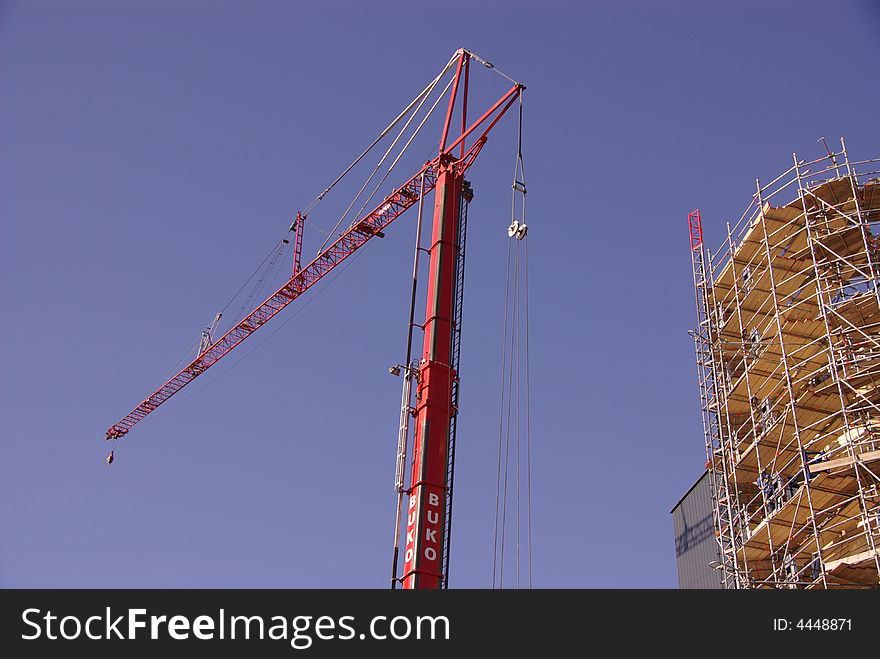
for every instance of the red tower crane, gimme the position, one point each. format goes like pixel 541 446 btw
pixel 428 509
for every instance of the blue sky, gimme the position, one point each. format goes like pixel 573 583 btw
pixel 150 154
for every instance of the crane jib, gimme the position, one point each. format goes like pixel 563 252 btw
pixel 350 241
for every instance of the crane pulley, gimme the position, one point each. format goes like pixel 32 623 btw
pixel 208 334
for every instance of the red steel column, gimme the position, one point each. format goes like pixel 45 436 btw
pixel 426 504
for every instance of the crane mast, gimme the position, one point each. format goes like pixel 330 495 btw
pixel 427 498
pixel 426 503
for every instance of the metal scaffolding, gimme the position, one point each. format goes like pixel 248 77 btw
pixel 788 360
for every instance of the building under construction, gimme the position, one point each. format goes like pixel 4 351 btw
pixel 788 358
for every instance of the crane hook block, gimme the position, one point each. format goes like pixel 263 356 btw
pixel 517 230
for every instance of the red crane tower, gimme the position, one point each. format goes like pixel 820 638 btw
pixel 428 497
